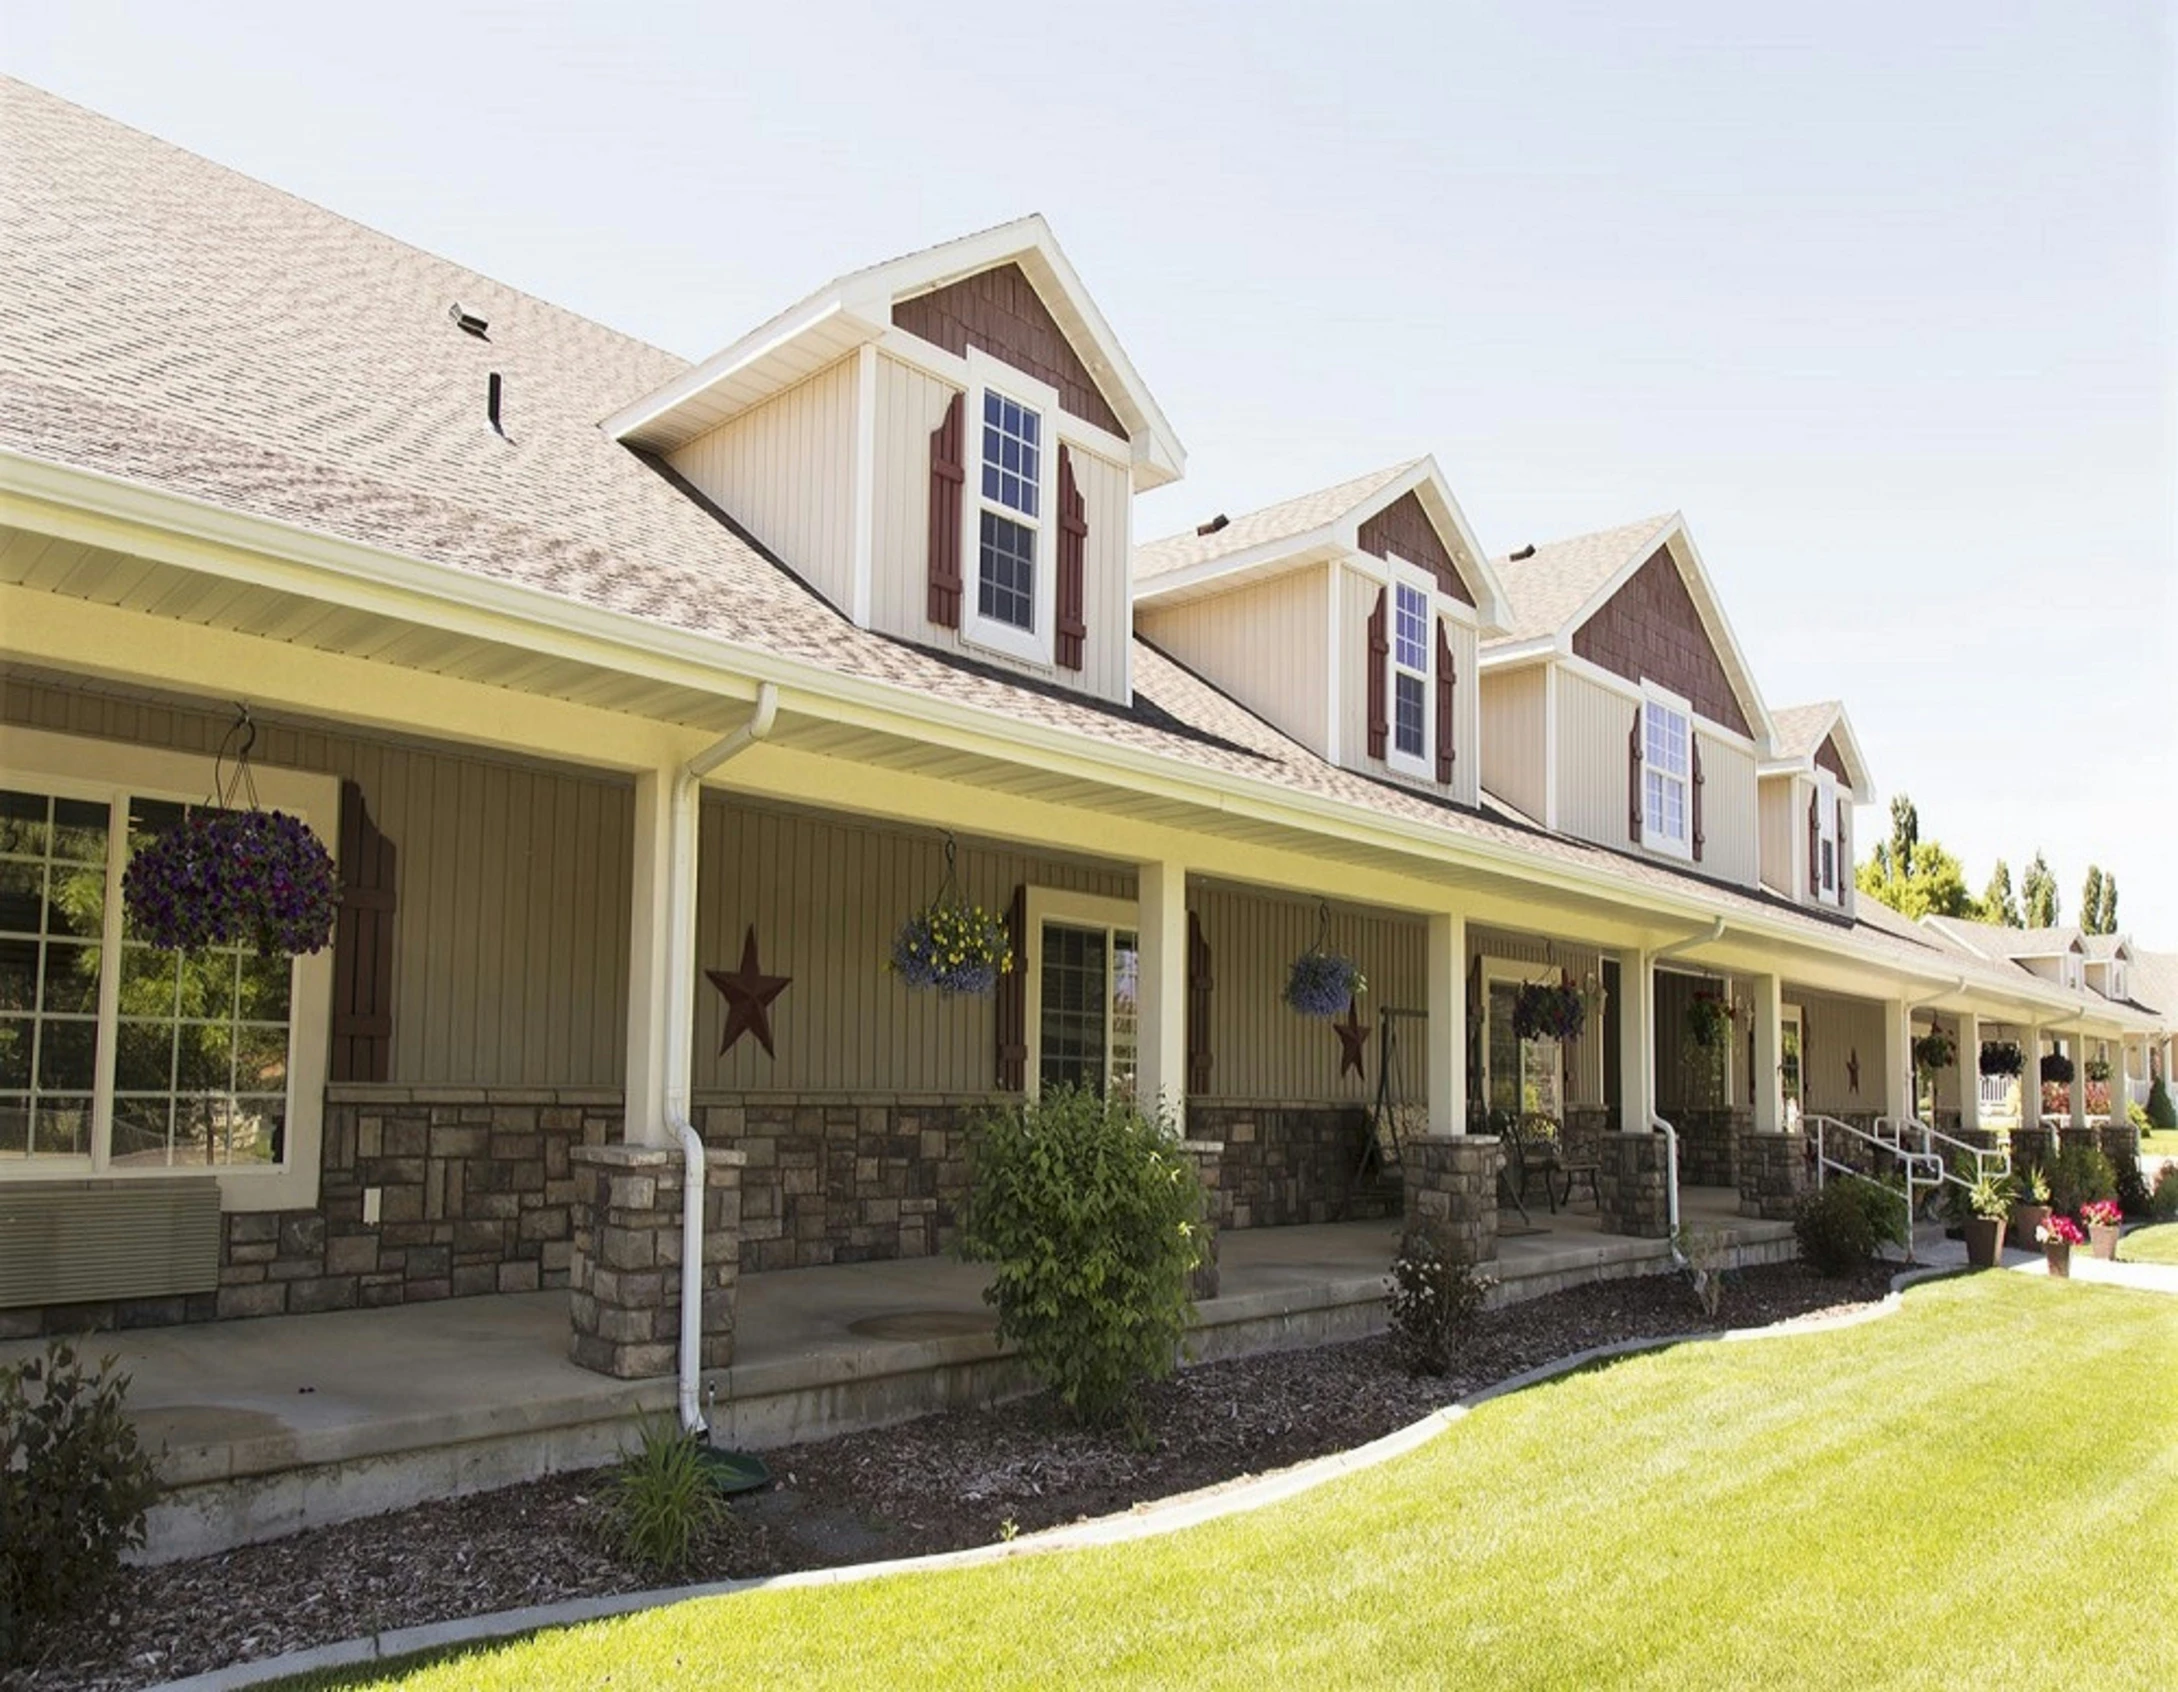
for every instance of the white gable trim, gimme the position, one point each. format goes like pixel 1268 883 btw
pixel 1861 788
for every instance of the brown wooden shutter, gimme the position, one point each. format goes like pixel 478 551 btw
pixel 1379 657
pixel 1694 752
pixel 1012 1000
pixel 1815 844
pixel 1448 679
pixel 1199 982
pixel 1844 863
pixel 947 472
pixel 1073 544
pixel 1633 780
pixel 363 947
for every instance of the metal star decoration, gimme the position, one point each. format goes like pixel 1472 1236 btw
pixel 1852 1069
pixel 749 993
pixel 1353 1035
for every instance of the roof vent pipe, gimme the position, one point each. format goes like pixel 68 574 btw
pixel 1527 551
pixel 492 388
pixel 1214 525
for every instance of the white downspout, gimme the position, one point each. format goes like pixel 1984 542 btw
pixel 1685 943
pixel 680 966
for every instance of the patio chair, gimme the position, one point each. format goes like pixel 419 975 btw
pixel 1580 1158
pixel 1531 1148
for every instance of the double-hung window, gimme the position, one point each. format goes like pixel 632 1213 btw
pixel 1412 660
pixel 1010 534
pixel 118 1059
pixel 1667 730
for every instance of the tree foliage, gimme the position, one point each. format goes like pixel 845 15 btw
pixel 2038 894
pixel 1915 877
pixel 2098 902
pixel 1998 904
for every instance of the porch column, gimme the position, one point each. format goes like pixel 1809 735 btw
pixel 1447 1006
pixel 1768 992
pixel 651 994
pixel 1161 1012
pixel 2030 1076
pixel 2076 1047
pixel 1898 1060
pixel 1636 1046
pixel 1969 1072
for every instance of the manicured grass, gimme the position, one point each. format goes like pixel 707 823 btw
pixel 2159 1143
pixel 2158 1244
pixel 1855 1508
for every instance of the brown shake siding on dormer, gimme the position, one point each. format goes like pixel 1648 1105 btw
pixel 1650 631
pixel 999 312
pixel 1828 758
pixel 1403 527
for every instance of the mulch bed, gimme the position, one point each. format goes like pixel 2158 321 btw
pixel 955 1479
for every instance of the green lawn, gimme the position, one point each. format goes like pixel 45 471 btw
pixel 2159 1143
pixel 2158 1244
pixel 1857 1508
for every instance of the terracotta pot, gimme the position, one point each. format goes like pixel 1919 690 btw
pixel 1984 1241
pixel 2104 1239
pixel 2025 1219
pixel 2059 1255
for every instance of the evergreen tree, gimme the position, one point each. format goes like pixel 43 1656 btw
pixel 2091 901
pixel 2109 905
pixel 1905 834
pixel 1997 904
pixel 2038 894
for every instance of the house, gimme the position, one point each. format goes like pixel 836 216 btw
pixel 643 700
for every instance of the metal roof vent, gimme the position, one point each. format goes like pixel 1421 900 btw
pixel 1214 525
pixel 468 322
pixel 1527 551
pixel 492 389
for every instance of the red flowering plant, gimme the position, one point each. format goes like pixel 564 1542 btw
pixel 2060 1230
pixel 2101 1213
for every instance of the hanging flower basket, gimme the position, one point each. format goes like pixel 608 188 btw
pixel 1708 1021
pixel 1322 982
pixel 234 878
pixel 2002 1057
pixel 2056 1069
pixel 956 948
pixel 1545 1012
pixel 1935 1050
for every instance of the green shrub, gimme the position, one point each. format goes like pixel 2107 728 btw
pixel 2137 1114
pixel 1841 1224
pixel 2132 1189
pixel 74 1486
pixel 2081 1175
pixel 1092 1215
pixel 662 1498
pixel 2163 1202
pixel 1432 1301
pixel 2162 1114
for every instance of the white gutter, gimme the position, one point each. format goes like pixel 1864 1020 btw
pixel 1685 943
pixel 680 965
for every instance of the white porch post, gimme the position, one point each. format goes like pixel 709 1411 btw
pixel 1769 1053
pixel 1161 1016
pixel 2030 1077
pixel 2076 1046
pixel 650 986
pixel 1636 1044
pixel 1447 1007
pixel 1969 1067
pixel 1898 1060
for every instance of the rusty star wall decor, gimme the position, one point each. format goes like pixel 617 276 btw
pixel 1353 1036
pixel 749 993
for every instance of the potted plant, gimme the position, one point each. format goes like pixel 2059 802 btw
pixel 1708 1021
pixel 1935 1050
pixel 2002 1057
pixel 2056 1069
pixel 2057 1237
pixel 1322 983
pixel 2103 1219
pixel 1991 1203
pixel 956 948
pixel 2028 1218
pixel 1545 1011
pixel 233 878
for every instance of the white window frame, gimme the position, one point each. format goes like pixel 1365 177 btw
pixel 1070 910
pixel 1517 975
pixel 1827 834
pixel 2117 979
pixel 1653 838
pixel 1790 1017
pixel 74 767
pixel 1422 766
pixel 1033 645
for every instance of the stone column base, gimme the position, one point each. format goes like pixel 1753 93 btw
pixel 1772 1174
pixel 624 1284
pixel 1633 1186
pixel 1451 1187
pixel 1208 1157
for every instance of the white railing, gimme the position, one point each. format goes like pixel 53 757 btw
pixel 1924 1171
pixel 1911 1134
pixel 2136 1090
pixel 1996 1094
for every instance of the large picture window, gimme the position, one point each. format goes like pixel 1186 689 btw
pixel 1666 763
pixel 116 1058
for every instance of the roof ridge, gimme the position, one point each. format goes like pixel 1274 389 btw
pixel 1381 475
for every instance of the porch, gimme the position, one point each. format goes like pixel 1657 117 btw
pixel 287 1422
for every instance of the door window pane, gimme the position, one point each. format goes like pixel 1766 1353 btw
pixel 1075 979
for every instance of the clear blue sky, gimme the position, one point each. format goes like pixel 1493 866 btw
pixel 1880 296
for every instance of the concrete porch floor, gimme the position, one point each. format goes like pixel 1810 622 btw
pixel 272 1425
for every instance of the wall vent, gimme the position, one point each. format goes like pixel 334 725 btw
pixel 78 1242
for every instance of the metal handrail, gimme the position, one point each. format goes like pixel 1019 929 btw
pixel 1987 1159
pixel 1917 1165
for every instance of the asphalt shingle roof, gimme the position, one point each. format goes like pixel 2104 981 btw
pixel 1799 729
pixel 1547 589
pixel 1283 521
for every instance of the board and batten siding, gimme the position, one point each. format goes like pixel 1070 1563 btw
pixel 910 404
pixel 511 922
pixel 1731 831
pixel 1833 1031
pixel 1781 803
pixel 1515 744
pixel 1357 599
pixel 1266 643
pixel 1263 1051
pixel 785 471
pixel 1584 1058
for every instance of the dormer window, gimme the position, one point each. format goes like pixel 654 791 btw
pixel 2117 980
pixel 1828 869
pixel 1410 676
pixel 1667 758
pixel 1009 533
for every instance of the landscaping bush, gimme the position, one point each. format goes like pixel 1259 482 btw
pixel 2163 1202
pixel 2081 1175
pixel 2162 1114
pixel 74 1486
pixel 1433 1301
pixel 1840 1225
pixel 2132 1189
pixel 662 1499
pixel 1091 1214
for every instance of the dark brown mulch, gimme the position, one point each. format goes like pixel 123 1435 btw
pixel 956 1479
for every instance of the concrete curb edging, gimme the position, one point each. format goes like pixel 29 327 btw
pixel 1143 1522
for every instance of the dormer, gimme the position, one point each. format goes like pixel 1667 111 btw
pixel 946 447
pixel 1619 707
pixel 1811 781
pixel 2106 965
pixel 1349 618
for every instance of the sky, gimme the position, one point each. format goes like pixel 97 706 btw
pixel 1880 297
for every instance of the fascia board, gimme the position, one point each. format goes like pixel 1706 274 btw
pixel 634 421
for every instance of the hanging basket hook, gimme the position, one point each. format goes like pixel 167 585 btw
pixel 224 790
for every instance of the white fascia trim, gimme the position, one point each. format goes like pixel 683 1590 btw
pixel 722 366
pixel 1635 691
pixel 1261 561
pixel 1492 611
pixel 1512 654
pixel 295 559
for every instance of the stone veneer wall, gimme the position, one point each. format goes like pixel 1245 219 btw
pixel 1632 1187
pixel 1773 1174
pixel 1289 1163
pixel 474 1189
pixel 1452 1188
pixel 624 1285
pixel 1709 1142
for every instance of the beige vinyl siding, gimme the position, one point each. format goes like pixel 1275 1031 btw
pixel 1584 1058
pixel 1731 836
pixel 1782 814
pixel 1263 1050
pixel 1466 784
pixel 786 472
pixel 1593 723
pixel 910 404
pixel 1267 644
pixel 1685 1077
pixel 1515 751
pixel 1357 601
pixel 1834 1030
pixel 510 943
pixel 826 895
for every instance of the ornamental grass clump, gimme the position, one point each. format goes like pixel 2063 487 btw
pixel 1092 1215
pixel 955 948
pixel 261 879
pixel 662 1500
